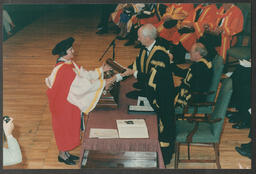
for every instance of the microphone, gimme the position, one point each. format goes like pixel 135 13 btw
pixel 111 44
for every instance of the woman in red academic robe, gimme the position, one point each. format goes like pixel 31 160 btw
pixel 72 90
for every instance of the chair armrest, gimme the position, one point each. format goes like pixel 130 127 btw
pixel 193 131
pixel 203 119
pixel 201 104
pixel 202 93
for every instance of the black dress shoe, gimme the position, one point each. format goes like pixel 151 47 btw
pixel 73 157
pixel 229 115
pixel 167 153
pixel 135 94
pixel 244 152
pixel 232 120
pixel 247 145
pixel 121 38
pixel 67 161
pixel 102 31
pixel 241 125
pixel 137 45
pixel 129 42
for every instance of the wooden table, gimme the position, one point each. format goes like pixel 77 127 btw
pixel 107 120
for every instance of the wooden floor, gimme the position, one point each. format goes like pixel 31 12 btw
pixel 27 60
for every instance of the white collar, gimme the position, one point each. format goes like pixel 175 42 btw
pixel 151 46
pixel 64 60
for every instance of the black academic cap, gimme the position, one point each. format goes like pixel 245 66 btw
pixel 63 46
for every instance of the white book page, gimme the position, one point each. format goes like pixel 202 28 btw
pixel 103 133
pixel 132 128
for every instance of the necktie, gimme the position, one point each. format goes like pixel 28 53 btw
pixel 145 58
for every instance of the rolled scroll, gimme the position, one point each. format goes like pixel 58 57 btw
pixel 116 66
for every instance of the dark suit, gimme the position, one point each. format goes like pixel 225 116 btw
pixel 241 97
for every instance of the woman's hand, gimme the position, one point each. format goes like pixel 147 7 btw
pixel 109 82
pixel 8 127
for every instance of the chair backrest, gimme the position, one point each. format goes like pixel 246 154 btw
pixel 218 66
pixel 221 107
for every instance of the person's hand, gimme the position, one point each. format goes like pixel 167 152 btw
pixel 106 67
pixel 8 127
pixel 109 82
pixel 128 72
pixel 170 57
pixel 218 30
pixel 188 25
pixel 166 17
pixel 206 27
pixel 13 25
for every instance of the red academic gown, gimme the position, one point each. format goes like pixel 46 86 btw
pixel 177 11
pixel 65 116
pixel 208 16
pixel 232 25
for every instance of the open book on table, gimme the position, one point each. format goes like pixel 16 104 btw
pixel 132 128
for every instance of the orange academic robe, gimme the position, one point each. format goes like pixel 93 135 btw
pixel 150 20
pixel 207 16
pixel 66 119
pixel 177 11
pixel 232 24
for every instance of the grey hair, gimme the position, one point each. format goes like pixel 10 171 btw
pixel 201 49
pixel 149 30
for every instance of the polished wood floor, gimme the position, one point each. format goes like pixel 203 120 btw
pixel 27 60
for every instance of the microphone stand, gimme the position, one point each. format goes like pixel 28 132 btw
pixel 111 44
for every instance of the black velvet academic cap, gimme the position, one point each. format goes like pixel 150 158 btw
pixel 62 46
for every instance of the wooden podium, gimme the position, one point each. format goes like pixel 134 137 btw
pixel 109 100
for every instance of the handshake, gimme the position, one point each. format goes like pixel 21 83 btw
pixel 117 77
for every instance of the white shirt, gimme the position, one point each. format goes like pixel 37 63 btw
pixel 149 48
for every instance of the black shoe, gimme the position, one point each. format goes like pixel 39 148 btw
pixel 229 115
pixel 116 29
pixel 73 157
pixel 129 42
pixel 244 152
pixel 232 120
pixel 241 125
pixel 138 85
pixel 67 161
pixel 135 94
pixel 167 153
pixel 121 38
pixel 246 146
pixel 102 31
pixel 137 45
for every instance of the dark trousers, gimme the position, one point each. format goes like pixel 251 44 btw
pixel 241 97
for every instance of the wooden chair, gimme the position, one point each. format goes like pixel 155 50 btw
pixel 207 106
pixel 206 132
